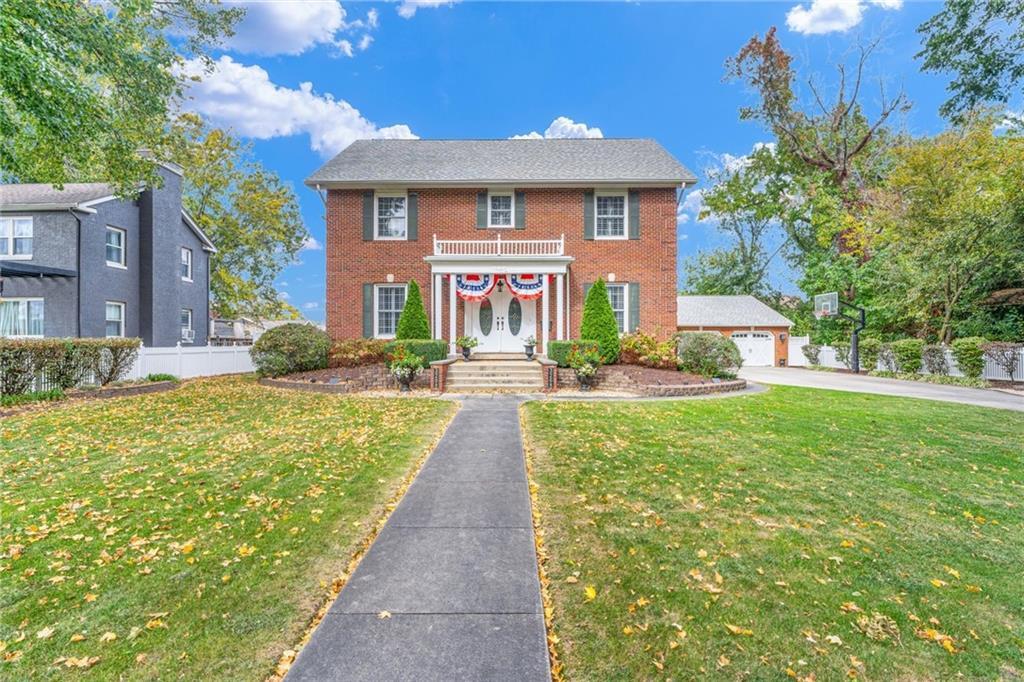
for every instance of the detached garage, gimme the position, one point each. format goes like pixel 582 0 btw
pixel 760 332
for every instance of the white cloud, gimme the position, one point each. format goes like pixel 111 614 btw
pixel 310 305
pixel 283 295
pixel 310 243
pixel 690 207
pixel 365 42
pixel 407 9
pixel 289 27
pixel 828 16
pixel 283 283
pixel 245 99
pixel 563 127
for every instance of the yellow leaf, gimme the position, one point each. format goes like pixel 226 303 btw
pixel 737 630
pixel 108 636
pixel 187 548
pixel 591 592
pixel 154 623
pixel 90 597
pixel 938 583
pixel 384 614
pixel 628 630
pixel 973 588
pixel 834 639
pixel 723 661
pixel 45 633
pixel 953 572
pixel 245 550
pixel 77 637
pixel 572 580
pixel 947 644
pixel 846 543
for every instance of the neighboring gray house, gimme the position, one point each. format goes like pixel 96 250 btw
pixel 81 262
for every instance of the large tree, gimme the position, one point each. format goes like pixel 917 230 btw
pixel 85 85
pixel 982 43
pixel 250 214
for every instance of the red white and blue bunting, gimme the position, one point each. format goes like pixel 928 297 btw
pixel 474 287
pixel 526 287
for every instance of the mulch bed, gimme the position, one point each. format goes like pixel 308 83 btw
pixel 323 376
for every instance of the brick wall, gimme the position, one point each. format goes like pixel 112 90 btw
pixel 451 214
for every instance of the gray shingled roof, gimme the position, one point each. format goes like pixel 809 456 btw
pixel 469 162
pixel 45 194
pixel 726 311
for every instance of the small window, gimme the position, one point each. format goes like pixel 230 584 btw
pixel 21 317
pixel 16 238
pixel 610 216
pixel 187 334
pixel 115 247
pixel 186 264
pixel 391 216
pixel 617 297
pixel 499 212
pixel 389 301
pixel 115 319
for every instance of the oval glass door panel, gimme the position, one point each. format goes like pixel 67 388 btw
pixel 486 317
pixel 515 316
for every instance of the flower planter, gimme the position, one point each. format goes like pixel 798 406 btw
pixel 529 352
pixel 465 353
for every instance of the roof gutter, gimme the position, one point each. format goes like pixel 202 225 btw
pixel 9 208
pixel 580 183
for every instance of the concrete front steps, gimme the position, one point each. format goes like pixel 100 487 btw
pixel 495 372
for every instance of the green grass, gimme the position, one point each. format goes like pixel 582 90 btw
pixel 788 515
pixel 201 527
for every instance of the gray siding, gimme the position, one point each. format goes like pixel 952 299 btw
pixel 150 285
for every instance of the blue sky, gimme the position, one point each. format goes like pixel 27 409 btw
pixel 301 80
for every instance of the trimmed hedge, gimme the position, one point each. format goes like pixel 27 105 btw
pixel 907 355
pixel 709 354
pixel 429 350
pixel 292 347
pixel 357 352
pixel 869 350
pixel 64 362
pixel 559 351
pixel 646 350
pixel 969 356
pixel 599 323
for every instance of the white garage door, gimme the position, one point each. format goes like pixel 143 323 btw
pixel 756 348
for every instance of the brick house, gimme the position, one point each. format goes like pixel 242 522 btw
pixel 503 236
pixel 759 331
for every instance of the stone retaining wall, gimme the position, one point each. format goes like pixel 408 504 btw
pixel 611 379
pixel 367 378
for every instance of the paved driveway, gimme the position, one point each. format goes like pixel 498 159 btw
pixel 837 381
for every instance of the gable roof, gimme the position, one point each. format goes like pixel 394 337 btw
pixel 726 311
pixel 484 162
pixel 44 196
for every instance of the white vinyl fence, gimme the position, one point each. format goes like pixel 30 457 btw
pixel 186 362
pixel 827 358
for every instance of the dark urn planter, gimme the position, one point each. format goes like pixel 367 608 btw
pixel 403 386
pixel 586 382
pixel 529 352
pixel 465 352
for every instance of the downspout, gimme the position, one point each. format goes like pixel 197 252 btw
pixel 78 259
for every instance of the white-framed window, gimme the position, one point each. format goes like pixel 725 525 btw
pixel 186 264
pixel 115 319
pixel 618 298
pixel 116 238
pixel 390 216
pixel 388 301
pixel 16 237
pixel 21 317
pixel 187 333
pixel 500 209
pixel 610 215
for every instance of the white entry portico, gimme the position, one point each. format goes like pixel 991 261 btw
pixel 502 319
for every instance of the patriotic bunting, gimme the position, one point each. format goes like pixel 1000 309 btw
pixel 474 287
pixel 526 287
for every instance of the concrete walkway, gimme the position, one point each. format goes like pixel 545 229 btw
pixel 839 381
pixel 455 567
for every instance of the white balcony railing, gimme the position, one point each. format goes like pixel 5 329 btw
pixel 499 247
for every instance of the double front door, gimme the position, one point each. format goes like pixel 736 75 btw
pixel 501 322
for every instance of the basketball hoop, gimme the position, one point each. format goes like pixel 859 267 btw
pixel 826 305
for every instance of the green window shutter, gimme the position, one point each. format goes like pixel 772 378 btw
pixel 588 214
pixel 634 306
pixel 368 311
pixel 481 210
pixel 412 231
pixel 634 214
pixel 520 219
pixel 368 215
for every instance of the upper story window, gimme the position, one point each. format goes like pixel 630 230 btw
pixel 610 216
pixel 16 237
pixel 21 317
pixel 617 297
pixel 115 247
pixel 499 210
pixel 186 264
pixel 115 319
pixel 390 218
pixel 388 300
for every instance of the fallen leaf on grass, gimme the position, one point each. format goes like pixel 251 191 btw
pixel 737 630
pixel 45 633
pixel 590 592
pixel 108 636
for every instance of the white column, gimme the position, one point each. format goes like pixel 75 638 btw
pixel 560 307
pixel 451 314
pixel 436 308
pixel 545 314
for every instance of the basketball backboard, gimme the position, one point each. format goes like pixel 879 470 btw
pixel 826 305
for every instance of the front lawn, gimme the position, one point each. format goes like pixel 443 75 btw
pixel 188 534
pixel 802 533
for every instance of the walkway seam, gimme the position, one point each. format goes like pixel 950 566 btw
pixel 288 656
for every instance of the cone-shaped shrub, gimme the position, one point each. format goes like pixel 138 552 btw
pixel 599 323
pixel 412 323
